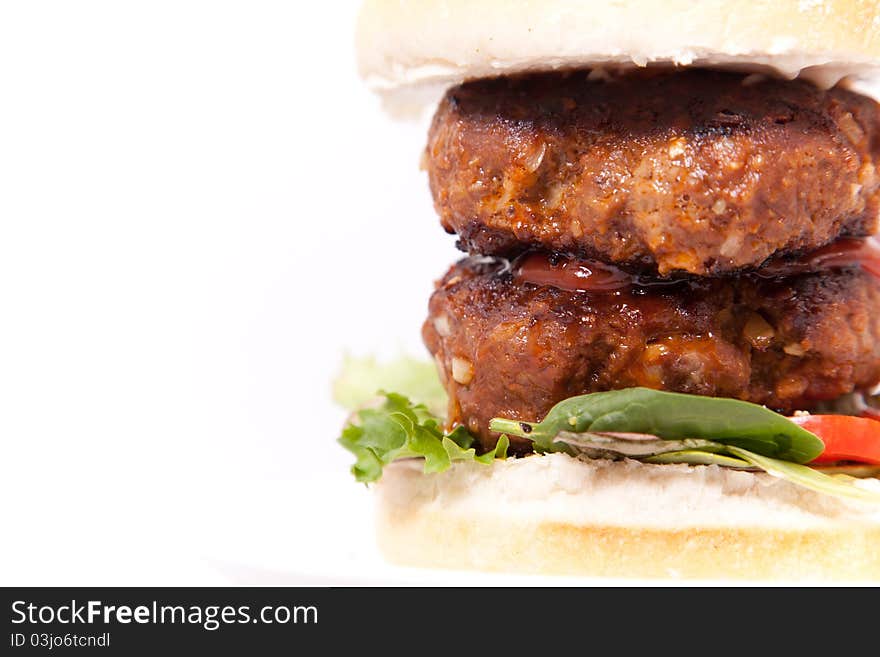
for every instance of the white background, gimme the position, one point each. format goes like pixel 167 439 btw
pixel 201 210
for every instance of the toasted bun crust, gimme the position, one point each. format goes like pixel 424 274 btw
pixel 560 515
pixel 417 47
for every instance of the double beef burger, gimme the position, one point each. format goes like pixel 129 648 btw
pixel 652 196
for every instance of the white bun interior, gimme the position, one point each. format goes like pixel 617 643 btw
pixel 411 50
pixel 558 514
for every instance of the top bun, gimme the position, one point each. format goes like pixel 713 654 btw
pixel 408 47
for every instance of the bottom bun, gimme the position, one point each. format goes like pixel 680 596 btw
pixel 560 515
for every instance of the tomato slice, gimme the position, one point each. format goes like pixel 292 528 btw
pixel 846 438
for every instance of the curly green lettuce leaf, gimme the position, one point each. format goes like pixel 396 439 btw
pixel 359 379
pixel 401 429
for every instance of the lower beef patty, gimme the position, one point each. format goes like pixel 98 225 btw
pixel 509 348
pixel 694 171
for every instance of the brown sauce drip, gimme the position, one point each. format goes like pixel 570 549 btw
pixel 541 268
pixel 572 274
pixel 848 252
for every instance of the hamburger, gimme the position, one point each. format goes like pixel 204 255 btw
pixel 660 352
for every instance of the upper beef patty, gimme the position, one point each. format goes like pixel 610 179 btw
pixel 694 171
pixel 510 348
